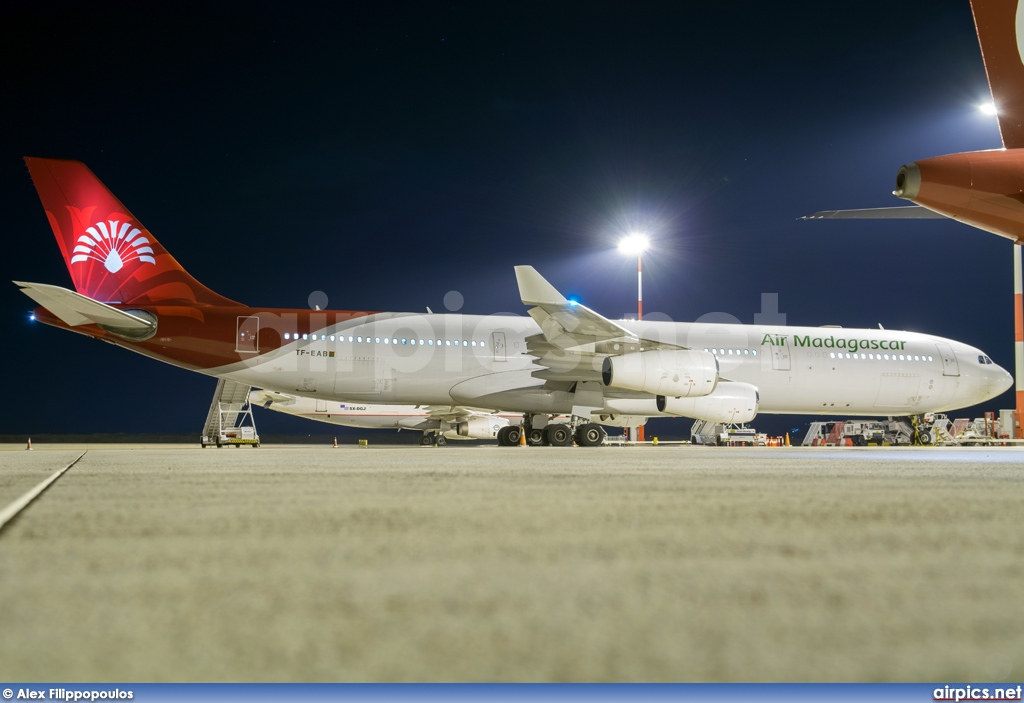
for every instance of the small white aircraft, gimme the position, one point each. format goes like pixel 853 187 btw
pixel 564 359
pixel 437 423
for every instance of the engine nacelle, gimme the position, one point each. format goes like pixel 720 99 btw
pixel 676 373
pixel 647 407
pixel 978 188
pixel 480 427
pixel 619 420
pixel 731 402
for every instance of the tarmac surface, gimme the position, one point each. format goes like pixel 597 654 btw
pixel 474 563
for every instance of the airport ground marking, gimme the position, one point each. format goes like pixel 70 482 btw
pixel 8 513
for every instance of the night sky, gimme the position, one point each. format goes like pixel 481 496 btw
pixel 386 153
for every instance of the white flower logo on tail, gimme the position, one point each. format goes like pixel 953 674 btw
pixel 114 244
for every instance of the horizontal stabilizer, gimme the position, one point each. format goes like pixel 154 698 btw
pixel 75 309
pixel 913 212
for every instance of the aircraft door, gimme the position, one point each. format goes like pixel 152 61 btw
pixel 781 356
pixel 247 334
pixel 498 345
pixel 949 365
pixel 321 406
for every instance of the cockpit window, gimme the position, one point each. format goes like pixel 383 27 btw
pixel 984 360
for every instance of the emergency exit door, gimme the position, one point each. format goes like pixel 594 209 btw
pixel 498 345
pixel 780 356
pixel 247 334
pixel 949 365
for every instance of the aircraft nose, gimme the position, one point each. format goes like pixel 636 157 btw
pixel 995 380
pixel 1002 381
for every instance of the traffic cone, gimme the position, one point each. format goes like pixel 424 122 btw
pixel 522 437
pixel 335 442
pixel 29 447
pixel 787 439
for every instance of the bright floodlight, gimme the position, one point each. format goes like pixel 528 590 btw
pixel 988 108
pixel 634 244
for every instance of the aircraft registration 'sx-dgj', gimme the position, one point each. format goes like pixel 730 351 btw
pixel 564 359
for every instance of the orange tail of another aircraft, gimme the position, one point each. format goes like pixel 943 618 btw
pixel 1000 25
pixel 111 256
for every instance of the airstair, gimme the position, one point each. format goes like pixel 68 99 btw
pixel 229 421
pixel 835 436
pixel 815 435
pixel 704 432
pixel 943 430
pixel 959 425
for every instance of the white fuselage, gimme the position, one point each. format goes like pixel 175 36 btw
pixel 483 362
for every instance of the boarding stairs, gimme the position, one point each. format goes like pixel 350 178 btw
pixel 836 437
pixel 704 430
pixel 815 435
pixel 229 413
pixel 943 431
pixel 959 425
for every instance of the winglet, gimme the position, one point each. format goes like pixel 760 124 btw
pixel 534 289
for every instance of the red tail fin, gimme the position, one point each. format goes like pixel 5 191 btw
pixel 1000 25
pixel 112 258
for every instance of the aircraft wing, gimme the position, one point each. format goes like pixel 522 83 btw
pixel 564 322
pixel 913 212
pixel 450 413
pixel 74 309
pixel 574 339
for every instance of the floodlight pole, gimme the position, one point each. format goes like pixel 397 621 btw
pixel 640 314
pixel 1018 342
pixel 639 286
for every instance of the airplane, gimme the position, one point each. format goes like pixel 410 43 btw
pixel 983 189
pixel 979 188
pixel 438 424
pixel 563 359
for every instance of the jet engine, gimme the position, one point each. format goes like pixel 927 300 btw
pixel 619 420
pixel 676 373
pixel 480 427
pixel 979 188
pixel 730 402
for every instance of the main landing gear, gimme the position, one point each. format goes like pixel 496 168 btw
pixel 430 439
pixel 509 436
pixel 539 433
